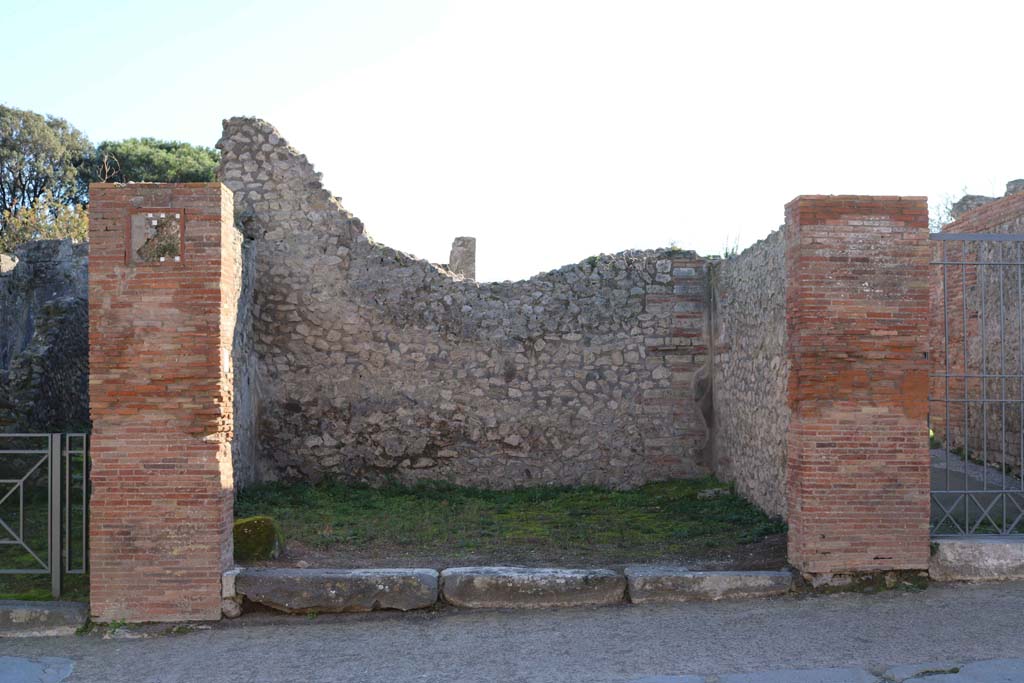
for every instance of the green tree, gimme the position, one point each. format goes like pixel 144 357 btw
pixel 46 218
pixel 39 156
pixel 154 161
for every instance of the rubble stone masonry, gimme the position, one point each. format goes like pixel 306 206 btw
pixel 373 365
pixel 750 413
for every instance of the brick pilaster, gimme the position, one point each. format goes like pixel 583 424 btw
pixel 160 336
pixel 857 321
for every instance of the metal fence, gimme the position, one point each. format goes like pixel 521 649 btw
pixel 976 392
pixel 44 502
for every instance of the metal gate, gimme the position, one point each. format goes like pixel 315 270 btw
pixel 976 391
pixel 44 495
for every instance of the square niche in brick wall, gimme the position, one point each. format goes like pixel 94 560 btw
pixel 156 236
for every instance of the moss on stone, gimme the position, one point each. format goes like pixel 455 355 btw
pixel 257 538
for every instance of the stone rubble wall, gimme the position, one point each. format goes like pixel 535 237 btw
pixel 375 366
pixel 243 352
pixel 750 372
pixel 44 352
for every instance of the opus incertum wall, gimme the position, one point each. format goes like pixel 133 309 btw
pixel 374 366
pixel 164 284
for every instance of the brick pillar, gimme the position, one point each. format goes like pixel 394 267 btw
pixel 857 319
pixel 160 337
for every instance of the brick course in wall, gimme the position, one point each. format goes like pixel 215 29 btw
pixel 857 324
pixel 161 404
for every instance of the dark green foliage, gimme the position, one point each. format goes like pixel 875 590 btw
pixel 654 520
pixel 154 161
pixel 39 155
pixel 257 539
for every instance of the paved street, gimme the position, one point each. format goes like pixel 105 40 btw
pixel 866 634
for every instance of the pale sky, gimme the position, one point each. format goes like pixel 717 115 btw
pixel 554 130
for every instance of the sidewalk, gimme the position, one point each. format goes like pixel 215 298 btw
pixel 620 644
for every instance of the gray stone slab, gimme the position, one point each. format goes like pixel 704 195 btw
pixel 31 618
pixel 339 590
pixel 898 674
pixel 528 587
pixel 992 671
pixel 41 670
pixel 678 584
pixel 977 559
pixel 803 676
pixel 669 679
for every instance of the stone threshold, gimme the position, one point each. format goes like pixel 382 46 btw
pixel 21 618
pixel 977 558
pixel 305 591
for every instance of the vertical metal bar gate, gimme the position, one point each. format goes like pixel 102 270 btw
pixel 976 388
pixel 44 500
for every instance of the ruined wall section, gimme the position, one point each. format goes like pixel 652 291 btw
pixel 44 355
pixel 373 365
pixel 750 372
pixel 246 382
pixel 977 302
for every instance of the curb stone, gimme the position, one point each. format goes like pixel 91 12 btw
pixel 977 559
pixel 362 590
pixel 339 590
pixel 678 584
pixel 524 587
pixel 20 618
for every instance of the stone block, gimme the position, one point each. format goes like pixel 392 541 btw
pixel 31 618
pixel 339 590
pixel 977 559
pixel 678 584
pixel 521 587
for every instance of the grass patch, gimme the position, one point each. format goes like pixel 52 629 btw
pixel 37 587
pixel 652 522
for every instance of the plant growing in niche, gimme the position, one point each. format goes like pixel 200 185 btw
pixel 156 236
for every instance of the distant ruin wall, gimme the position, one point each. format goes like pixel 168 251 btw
pixel 978 309
pixel 375 366
pixel 44 352
pixel 750 417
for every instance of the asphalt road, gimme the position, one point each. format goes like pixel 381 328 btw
pixel 614 644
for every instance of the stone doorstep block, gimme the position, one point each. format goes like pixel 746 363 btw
pixel 977 559
pixel 678 584
pixel 524 587
pixel 338 590
pixel 30 618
